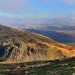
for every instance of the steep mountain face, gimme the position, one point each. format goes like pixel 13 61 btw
pixel 22 46
pixel 57 35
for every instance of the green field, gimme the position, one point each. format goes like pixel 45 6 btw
pixel 63 67
pixel 70 44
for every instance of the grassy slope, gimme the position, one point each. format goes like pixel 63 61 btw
pixel 59 68
pixel 40 47
pixel 63 67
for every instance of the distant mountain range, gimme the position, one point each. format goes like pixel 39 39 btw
pixel 63 36
pixel 59 23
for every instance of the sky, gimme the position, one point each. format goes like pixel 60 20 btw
pixel 37 8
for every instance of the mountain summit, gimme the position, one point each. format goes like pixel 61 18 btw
pixel 22 46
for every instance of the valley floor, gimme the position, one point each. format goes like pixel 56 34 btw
pixel 56 67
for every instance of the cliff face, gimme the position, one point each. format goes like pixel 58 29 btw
pixel 19 51
pixel 22 46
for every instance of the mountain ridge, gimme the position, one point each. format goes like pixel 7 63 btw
pixel 57 35
pixel 22 46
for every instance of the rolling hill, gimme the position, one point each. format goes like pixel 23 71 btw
pixel 22 46
pixel 57 35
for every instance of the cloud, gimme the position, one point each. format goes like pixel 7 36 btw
pixel 72 15
pixel 70 2
pixel 17 7
pixel 12 5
